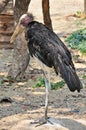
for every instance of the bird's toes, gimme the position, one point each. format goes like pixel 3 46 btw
pixel 39 122
pixel 43 121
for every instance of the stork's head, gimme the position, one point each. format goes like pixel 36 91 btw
pixel 22 24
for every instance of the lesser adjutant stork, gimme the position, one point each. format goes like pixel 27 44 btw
pixel 46 46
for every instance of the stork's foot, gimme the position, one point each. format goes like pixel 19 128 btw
pixel 42 121
pixel 39 122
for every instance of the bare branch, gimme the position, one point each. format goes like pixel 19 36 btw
pixel 46 13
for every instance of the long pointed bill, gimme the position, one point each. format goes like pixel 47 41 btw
pixel 19 29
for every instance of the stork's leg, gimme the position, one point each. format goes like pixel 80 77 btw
pixel 45 119
pixel 47 85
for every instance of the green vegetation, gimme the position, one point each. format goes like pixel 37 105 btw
pixel 1 80
pixel 55 86
pixel 39 83
pixel 9 78
pixel 77 40
pixel 80 14
pixel 4 79
pixel 84 76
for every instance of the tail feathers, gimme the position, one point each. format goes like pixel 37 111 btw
pixel 68 74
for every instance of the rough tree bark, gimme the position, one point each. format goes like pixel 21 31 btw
pixel 46 13
pixel 20 53
pixel 3 4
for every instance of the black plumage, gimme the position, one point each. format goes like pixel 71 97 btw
pixel 47 47
pixel 44 44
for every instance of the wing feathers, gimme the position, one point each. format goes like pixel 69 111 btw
pixel 68 74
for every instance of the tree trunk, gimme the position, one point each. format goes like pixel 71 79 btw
pixel 85 7
pixel 46 13
pixel 3 4
pixel 20 54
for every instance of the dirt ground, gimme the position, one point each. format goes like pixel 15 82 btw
pixel 27 103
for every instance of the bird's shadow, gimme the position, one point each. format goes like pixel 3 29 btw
pixel 69 123
pixel 59 123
